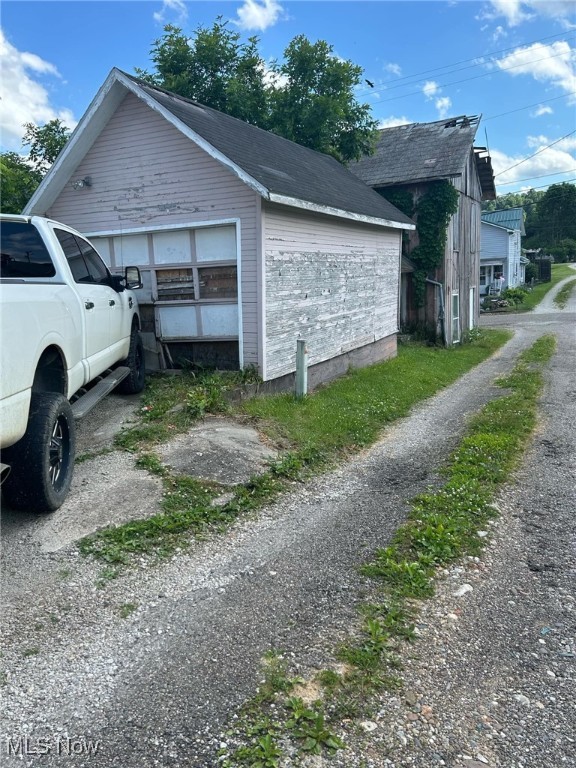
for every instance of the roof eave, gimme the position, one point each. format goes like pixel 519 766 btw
pixel 295 202
pixel 97 115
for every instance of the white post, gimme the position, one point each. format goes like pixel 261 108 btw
pixel 301 368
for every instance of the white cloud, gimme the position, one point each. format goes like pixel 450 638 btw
pixel 168 6
pixel 498 33
pixel 554 64
pixel 443 104
pixel 561 158
pixel 259 14
pixel 394 69
pixel 517 11
pixel 392 122
pixel 27 100
pixel 430 89
pixel 513 11
pixel 542 110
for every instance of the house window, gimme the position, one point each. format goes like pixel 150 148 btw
pixel 484 280
pixel 455 318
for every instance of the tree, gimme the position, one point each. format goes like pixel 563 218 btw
pixel 45 143
pixel 315 104
pixel 557 214
pixel 19 181
pixel 308 98
pixel 213 68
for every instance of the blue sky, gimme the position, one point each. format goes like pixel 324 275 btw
pixel 512 61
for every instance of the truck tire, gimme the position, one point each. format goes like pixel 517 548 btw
pixel 42 462
pixel 134 382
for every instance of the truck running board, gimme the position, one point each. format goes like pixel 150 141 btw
pixel 92 397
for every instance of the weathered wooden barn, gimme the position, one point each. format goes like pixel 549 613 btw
pixel 247 242
pixel 409 158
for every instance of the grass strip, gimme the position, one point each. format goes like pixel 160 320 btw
pixel 442 527
pixel 535 296
pixel 561 298
pixel 317 431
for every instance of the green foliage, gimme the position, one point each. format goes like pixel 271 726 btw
pixel 214 68
pixel 45 142
pixel 18 181
pixel 514 296
pixel 313 102
pixel 433 212
pixel 401 199
pixel 309 97
pixel 308 726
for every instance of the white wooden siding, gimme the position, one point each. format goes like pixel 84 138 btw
pixel 333 283
pixel 145 173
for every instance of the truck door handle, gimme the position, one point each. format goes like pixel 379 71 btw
pixel 89 304
pixel 111 302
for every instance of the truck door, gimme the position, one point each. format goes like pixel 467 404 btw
pixel 92 281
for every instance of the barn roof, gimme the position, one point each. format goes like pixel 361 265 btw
pixel 279 170
pixel 420 152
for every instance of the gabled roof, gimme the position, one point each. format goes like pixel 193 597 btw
pixel 511 218
pixel 277 169
pixel 419 152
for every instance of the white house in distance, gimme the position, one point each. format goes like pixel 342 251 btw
pixel 501 250
pixel 246 242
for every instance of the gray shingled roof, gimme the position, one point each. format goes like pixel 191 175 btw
pixel 511 218
pixel 407 154
pixel 281 166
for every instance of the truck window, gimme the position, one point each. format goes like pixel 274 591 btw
pixel 23 253
pixel 85 263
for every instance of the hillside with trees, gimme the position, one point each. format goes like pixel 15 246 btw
pixel 549 218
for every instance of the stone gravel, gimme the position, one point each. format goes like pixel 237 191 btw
pixel 154 664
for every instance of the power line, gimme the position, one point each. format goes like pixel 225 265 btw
pixel 536 104
pixel 541 186
pixel 463 61
pixel 468 79
pixel 542 176
pixel 535 153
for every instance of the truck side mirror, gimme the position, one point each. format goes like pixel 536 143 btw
pixel 133 278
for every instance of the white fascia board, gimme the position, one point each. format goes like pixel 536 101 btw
pixel 499 226
pixel 193 136
pixel 94 119
pixel 295 202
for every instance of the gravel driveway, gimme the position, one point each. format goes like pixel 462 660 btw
pixel 152 665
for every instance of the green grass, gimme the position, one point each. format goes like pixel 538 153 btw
pixel 351 412
pixel 535 296
pixel 316 431
pixel 442 527
pixel 561 298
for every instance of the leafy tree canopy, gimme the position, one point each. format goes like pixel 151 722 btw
pixel 550 218
pixel 308 97
pixel 45 143
pixel 19 180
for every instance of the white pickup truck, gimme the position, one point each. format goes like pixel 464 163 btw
pixel 70 333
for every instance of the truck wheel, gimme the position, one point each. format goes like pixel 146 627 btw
pixel 134 382
pixel 42 462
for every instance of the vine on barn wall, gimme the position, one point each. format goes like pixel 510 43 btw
pixel 432 214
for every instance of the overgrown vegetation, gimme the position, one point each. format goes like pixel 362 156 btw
pixel 443 526
pixel 433 212
pixel 314 432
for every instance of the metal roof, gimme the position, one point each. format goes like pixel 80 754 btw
pixel 511 218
